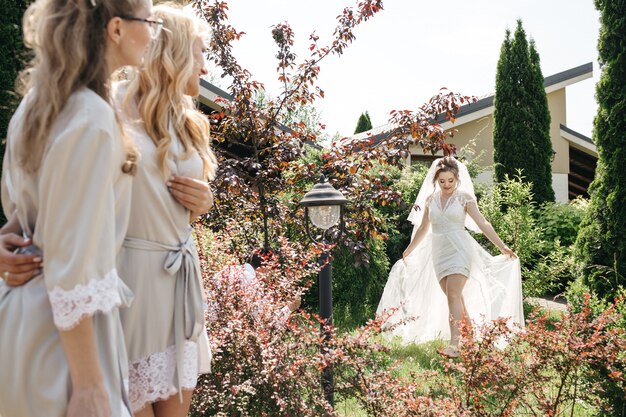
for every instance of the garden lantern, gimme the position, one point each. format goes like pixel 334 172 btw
pixel 323 206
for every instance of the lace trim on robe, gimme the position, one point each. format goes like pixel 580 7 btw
pixel 99 295
pixel 151 379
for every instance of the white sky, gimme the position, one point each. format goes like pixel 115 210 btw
pixel 408 51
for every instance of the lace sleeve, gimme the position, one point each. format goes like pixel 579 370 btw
pixel 466 199
pixel 99 295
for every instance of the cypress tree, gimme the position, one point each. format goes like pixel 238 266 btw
pixel 364 124
pixel 11 58
pixel 521 133
pixel 11 63
pixel 601 242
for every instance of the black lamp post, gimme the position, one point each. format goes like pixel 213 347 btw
pixel 323 206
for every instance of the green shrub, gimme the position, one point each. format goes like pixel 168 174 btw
pixel 552 272
pixel 557 266
pixel 509 207
pixel 561 221
pixel 357 290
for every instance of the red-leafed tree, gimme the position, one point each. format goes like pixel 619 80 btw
pixel 257 150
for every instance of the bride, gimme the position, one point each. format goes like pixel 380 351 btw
pixel 446 278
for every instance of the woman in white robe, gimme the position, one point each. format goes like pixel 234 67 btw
pixel 445 277
pixel 66 185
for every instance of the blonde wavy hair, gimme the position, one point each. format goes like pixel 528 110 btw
pixel 69 40
pixel 159 89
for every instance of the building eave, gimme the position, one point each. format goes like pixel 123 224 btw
pixel 209 95
pixel 485 105
pixel 579 140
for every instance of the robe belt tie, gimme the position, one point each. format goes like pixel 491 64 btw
pixel 180 262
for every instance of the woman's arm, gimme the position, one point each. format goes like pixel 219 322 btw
pixel 487 228
pixel 89 395
pixel 419 234
pixel 193 194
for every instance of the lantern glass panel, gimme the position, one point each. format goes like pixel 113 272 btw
pixel 324 217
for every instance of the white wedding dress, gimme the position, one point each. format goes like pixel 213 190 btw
pixel 493 289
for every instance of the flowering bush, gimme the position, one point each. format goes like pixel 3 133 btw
pixel 262 364
pixel 547 369
pixel 268 364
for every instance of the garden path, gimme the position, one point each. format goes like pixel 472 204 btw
pixel 549 303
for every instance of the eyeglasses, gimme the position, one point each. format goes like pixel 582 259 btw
pixel 155 24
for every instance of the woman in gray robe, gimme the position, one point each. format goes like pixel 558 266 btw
pixel 165 327
pixel 66 184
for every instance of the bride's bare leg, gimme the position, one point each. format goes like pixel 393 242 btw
pixel 466 320
pixel 454 292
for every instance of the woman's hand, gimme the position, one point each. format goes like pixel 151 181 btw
pixel 89 402
pixel 17 269
pixel 508 252
pixel 195 195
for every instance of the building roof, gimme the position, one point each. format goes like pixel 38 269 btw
pixel 209 94
pixel 578 140
pixel 473 111
pixel 484 106
pixel 576 134
pixel 550 83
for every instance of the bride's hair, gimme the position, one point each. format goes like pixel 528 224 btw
pixel 446 164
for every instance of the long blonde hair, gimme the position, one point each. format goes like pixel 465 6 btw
pixel 69 40
pixel 159 89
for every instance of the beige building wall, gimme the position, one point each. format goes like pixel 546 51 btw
pixel 480 132
pixel 556 104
